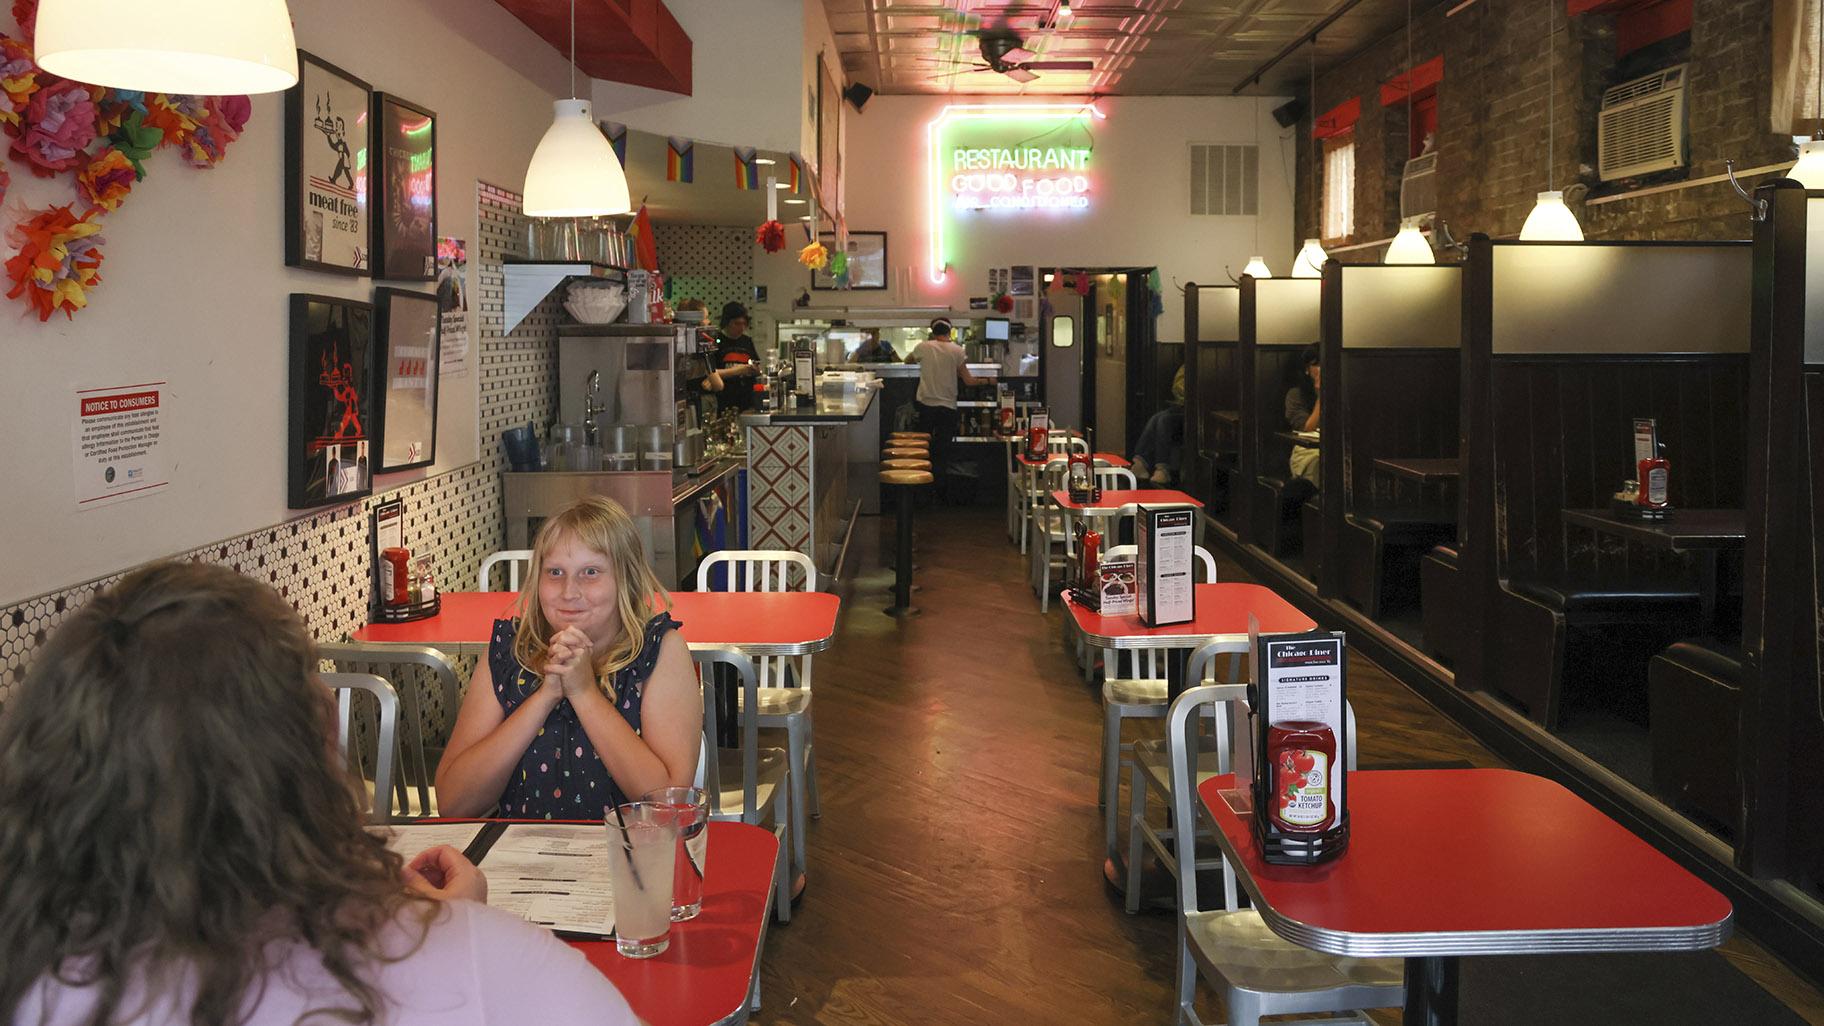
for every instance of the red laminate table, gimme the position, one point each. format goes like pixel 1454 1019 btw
pixel 759 623
pixel 1114 498
pixel 1222 617
pixel 707 975
pixel 1445 863
pixel 1109 459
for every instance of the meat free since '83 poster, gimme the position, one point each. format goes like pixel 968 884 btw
pixel 327 132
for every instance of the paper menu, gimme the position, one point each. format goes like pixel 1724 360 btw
pixel 1164 543
pixel 411 839
pixel 554 875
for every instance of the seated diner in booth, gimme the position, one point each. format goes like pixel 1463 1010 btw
pixel 587 700
pixel 1303 413
pixel 181 842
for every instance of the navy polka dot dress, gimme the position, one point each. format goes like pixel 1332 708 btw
pixel 560 776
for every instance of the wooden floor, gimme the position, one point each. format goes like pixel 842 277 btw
pixel 955 874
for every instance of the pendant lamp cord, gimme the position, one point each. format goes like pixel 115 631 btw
pixel 1817 63
pixel 1551 96
pixel 573 49
pixel 1317 201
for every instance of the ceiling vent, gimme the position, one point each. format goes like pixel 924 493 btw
pixel 1419 186
pixel 1641 127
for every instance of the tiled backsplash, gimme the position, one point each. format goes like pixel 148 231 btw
pixel 320 562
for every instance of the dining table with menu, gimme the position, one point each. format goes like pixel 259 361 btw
pixel 1447 863
pixel 1227 614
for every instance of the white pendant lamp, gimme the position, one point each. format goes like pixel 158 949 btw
pixel 1809 171
pixel 1409 247
pixel 1551 221
pixel 200 47
pixel 574 172
pixel 1310 261
pixel 1257 268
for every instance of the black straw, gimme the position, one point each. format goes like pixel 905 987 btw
pixel 627 846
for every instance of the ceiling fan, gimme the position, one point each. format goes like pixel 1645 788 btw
pixel 1002 52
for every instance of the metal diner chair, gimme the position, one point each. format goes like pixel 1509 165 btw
pixel 425 683
pixel 785 681
pixel 747 784
pixel 1258 972
pixel 514 559
pixel 386 737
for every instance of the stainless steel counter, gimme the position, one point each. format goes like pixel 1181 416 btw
pixel 827 410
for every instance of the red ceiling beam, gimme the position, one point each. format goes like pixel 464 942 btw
pixel 633 41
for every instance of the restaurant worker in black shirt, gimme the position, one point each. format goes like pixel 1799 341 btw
pixel 735 361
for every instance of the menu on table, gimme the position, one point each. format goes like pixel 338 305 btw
pixel 551 874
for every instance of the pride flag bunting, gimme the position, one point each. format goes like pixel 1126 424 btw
pixel 747 173
pixel 680 160
pixel 617 138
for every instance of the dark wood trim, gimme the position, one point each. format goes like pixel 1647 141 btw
pixel 1247 460
pixel 1476 555
pixel 1330 427
pixel 1197 470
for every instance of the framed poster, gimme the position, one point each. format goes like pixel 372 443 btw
pixel 829 138
pixel 329 404
pixel 867 261
pixel 326 147
pixel 405 376
pixel 405 190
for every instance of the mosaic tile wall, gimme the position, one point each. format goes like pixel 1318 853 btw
pixel 714 264
pixel 320 562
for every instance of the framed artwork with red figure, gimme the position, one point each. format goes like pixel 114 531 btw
pixel 331 402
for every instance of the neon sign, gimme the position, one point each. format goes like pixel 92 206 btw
pixel 968 177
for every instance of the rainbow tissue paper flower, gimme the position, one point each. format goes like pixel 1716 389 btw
pixel 56 129
pixel 107 179
pixel 58 261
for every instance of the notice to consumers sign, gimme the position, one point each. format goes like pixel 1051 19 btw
pixel 118 443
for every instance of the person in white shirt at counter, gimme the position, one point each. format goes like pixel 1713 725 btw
pixel 942 366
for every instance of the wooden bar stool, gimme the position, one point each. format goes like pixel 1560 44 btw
pixel 903 453
pixel 903 482
pixel 905 464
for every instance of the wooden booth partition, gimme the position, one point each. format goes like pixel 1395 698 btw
pixel 1781 733
pixel 1212 399
pixel 1391 379
pixel 1565 344
pixel 1279 321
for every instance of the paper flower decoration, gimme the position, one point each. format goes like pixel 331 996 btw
pixel 5 180
pixel 220 125
pixel 135 140
pixel 112 106
pixel 25 15
pixel 175 116
pixel 18 81
pixel 58 261
pixel 57 126
pixel 815 256
pixel 770 236
pixel 107 179
pixel 839 268
pixel 1003 303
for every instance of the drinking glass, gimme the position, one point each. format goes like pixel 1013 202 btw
pixel 642 857
pixel 690 806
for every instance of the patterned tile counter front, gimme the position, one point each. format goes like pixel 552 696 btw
pixel 798 491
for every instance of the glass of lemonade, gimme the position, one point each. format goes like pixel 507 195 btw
pixel 642 853
pixel 690 806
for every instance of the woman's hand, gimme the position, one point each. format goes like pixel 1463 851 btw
pixel 444 874
pixel 570 664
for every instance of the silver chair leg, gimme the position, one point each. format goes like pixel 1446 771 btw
pixel 1111 774
pixel 1187 975
pixel 782 818
pixel 1136 819
pixel 1244 1007
pixel 797 745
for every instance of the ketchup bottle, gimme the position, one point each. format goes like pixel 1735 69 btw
pixel 1300 754
pixel 1091 552
pixel 1653 475
pixel 1036 443
pixel 395 588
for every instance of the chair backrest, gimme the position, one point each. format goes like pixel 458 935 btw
pixel 763 570
pixel 757 570
pixel 738 663
pixel 1234 740
pixel 386 749
pixel 515 560
pixel 429 696
pixel 1129 513
pixel 1059 442
pixel 1115 477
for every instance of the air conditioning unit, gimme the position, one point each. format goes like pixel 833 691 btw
pixel 1641 127
pixel 1419 186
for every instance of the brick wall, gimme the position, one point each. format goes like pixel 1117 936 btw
pixel 1492 120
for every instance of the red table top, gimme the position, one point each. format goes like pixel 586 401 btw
pixel 1108 458
pixel 1474 862
pixel 1115 498
pixel 705 975
pixel 758 622
pixel 1222 615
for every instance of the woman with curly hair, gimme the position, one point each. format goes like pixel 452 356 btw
pixel 589 698
pixel 180 842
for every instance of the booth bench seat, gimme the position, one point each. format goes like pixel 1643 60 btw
pixel 1593 639
pixel 1694 697
pixel 1440 603
pixel 1380 554
pixel 1278 513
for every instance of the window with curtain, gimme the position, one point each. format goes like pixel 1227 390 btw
pixel 1339 187
pixel 1795 67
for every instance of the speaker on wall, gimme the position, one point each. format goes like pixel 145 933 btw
pixel 857 95
pixel 1288 113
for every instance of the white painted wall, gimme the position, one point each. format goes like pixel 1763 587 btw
pixel 1138 214
pixel 195 292
pixel 746 77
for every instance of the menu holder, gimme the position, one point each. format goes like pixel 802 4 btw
pixel 387 531
pixel 1300 786
pixel 409 612
pixel 1163 559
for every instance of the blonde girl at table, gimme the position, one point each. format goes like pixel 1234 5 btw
pixel 589 698
pixel 180 841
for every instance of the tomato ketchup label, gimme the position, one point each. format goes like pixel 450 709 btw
pixel 1302 788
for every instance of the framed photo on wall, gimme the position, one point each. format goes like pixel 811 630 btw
pixel 867 261
pixel 405 377
pixel 326 163
pixel 330 401
pixel 405 190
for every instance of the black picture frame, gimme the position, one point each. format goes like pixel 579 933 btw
pixel 869 245
pixel 407 333
pixel 329 402
pixel 404 197
pixel 326 169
